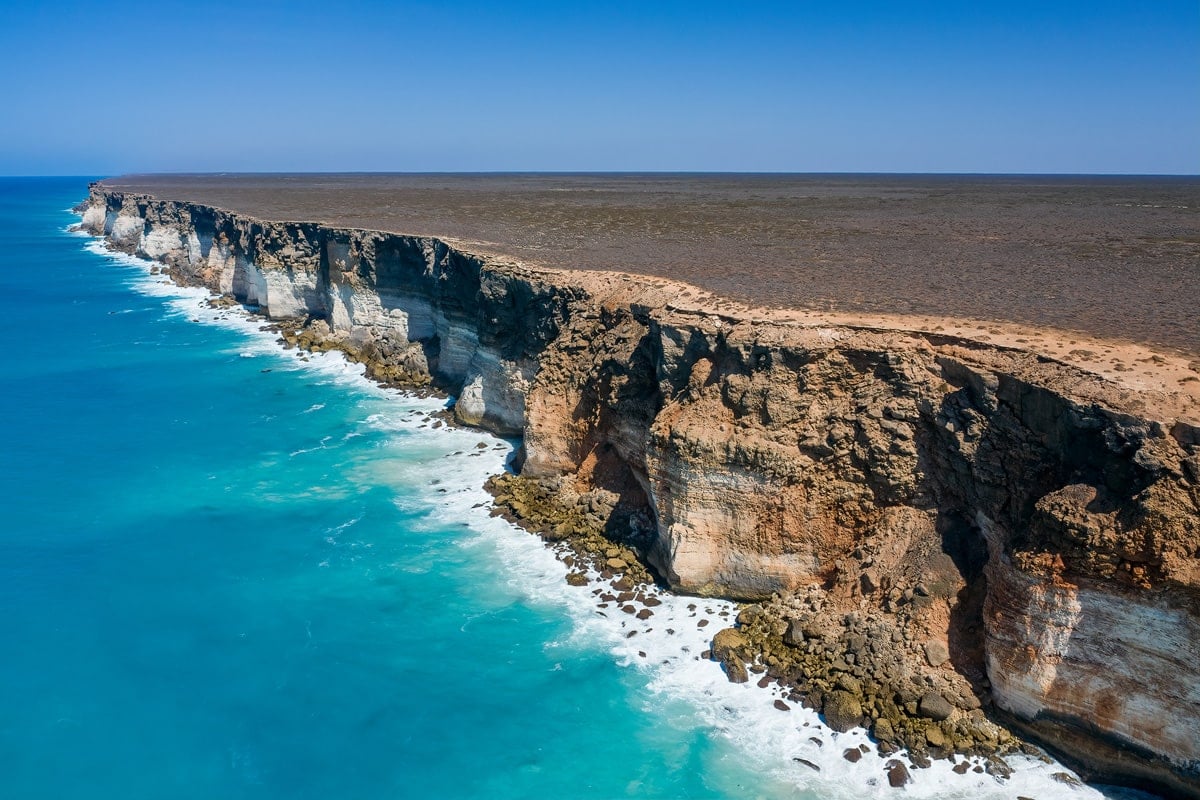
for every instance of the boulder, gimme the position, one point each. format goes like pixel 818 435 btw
pixel 935 706
pixel 936 652
pixel 749 615
pixel 730 643
pixel 934 736
pixel 800 630
pixel 850 684
pixel 897 774
pixel 842 711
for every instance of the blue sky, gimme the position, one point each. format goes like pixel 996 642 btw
pixel 110 87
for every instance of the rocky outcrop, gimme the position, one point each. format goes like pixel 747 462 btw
pixel 1029 532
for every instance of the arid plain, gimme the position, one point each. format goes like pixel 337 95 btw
pixel 1116 257
pixel 1100 272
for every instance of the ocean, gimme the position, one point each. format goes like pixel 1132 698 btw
pixel 230 570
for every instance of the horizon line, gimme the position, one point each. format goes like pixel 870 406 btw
pixel 897 173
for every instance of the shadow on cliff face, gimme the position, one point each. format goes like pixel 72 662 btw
pixel 963 542
pixel 630 521
pixel 610 418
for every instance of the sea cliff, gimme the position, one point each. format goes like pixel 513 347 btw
pixel 948 526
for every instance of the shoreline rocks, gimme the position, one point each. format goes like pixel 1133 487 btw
pixel 600 532
pixel 863 669
pixel 830 664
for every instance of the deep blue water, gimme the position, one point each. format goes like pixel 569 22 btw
pixel 225 572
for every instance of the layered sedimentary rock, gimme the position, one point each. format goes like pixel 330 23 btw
pixel 1038 524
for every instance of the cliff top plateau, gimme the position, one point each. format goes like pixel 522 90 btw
pixel 1102 273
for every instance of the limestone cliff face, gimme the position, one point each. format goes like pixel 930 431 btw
pixel 413 303
pixel 1051 519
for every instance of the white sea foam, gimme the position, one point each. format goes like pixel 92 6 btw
pixel 664 650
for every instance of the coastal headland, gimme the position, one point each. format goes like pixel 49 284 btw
pixel 945 510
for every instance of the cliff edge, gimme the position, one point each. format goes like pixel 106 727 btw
pixel 1003 530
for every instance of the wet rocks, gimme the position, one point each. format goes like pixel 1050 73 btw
pixel 398 365
pixel 731 648
pixel 599 530
pixel 935 737
pixel 897 773
pixel 735 670
pixel 883 731
pixel 220 301
pixel 730 643
pixel 867 668
pixel 842 710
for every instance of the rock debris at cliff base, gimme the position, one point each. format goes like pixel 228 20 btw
pixel 858 673
pixel 1033 521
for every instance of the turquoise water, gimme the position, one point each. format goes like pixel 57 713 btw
pixel 228 572
pixel 222 581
